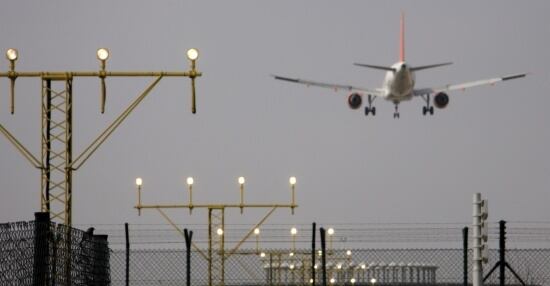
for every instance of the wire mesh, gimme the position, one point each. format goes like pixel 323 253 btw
pixel 44 253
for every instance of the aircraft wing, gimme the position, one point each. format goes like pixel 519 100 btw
pixel 371 91
pixel 463 86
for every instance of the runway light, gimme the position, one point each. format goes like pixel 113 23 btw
pixel 241 180
pixel 192 54
pixel 12 54
pixel 190 181
pixel 139 182
pixel 102 54
pixel 292 181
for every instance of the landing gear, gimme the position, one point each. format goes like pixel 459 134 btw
pixel 370 108
pixel 396 113
pixel 427 108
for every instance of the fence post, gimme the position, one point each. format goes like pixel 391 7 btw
pixel 323 256
pixel 127 254
pixel 41 247
pixel 465 254
pixel 313 254
pixel 188 239
pixel 502 251
pixel 101 260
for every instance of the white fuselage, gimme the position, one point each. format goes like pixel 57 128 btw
pixel 399 84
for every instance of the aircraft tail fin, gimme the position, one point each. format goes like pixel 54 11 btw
pixel 402 39
pixel 429 66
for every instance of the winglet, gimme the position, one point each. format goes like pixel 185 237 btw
pixel 402 39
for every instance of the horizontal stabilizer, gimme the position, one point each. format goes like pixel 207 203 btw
pixel 430 66
pixel 375 67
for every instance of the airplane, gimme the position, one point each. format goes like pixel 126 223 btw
pixel 399 84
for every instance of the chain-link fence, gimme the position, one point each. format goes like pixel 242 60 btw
pixel 361 255
pixel 44 253
pixel 278 267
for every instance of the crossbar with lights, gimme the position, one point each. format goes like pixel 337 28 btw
pixel 56 162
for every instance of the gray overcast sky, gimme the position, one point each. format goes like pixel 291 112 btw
pixel 350 168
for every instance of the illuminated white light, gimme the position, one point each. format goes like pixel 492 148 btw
pixel 12 54
pixel 291 254
pixel 291 266
pixel 363 266
pixel 262 254
pixel 139 182
pixel 352 280
pixel 190 181
pixel 256 231
pixel 339 266
pixel 310 280
pixel 332 280
pixel 320 252
pixel 373 280
pixel 315 266
pixel 292 181
pixel 102 54
pixel 331 231
pixel 293 231
pixel 348 253
pixel 192 54
pixel 241 180
pixel 219 231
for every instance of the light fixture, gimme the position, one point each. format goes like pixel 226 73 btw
pixel 339 266
pixel 332 280
pixel 241 180
pixel 363 266
pixel 331 231
pixel 291 266
pixel 219 231
pixel 256 231
pixel 373 280
pixel 291 254
pixel 192 54
pixel 310 280
pixel 12 54
pixel 352 280
pixel 293 231
pixel 190 181
pixel 102 54
pixel 262 254
pixel 139 182
pixel 292 181
pixel 348 252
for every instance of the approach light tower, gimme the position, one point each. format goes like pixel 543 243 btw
pixel 56 161
pixel 217 253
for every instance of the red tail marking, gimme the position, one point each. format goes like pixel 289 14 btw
pixel 402 39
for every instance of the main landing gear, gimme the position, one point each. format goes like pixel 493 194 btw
pixel 427 109
pixel 370 108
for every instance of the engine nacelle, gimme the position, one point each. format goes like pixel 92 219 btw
pixel 355 100
pixel 441 100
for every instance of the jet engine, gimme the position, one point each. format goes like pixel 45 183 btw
pixel 354 100
pixel 441 100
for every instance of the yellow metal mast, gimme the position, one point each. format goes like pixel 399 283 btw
pixel 56 162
